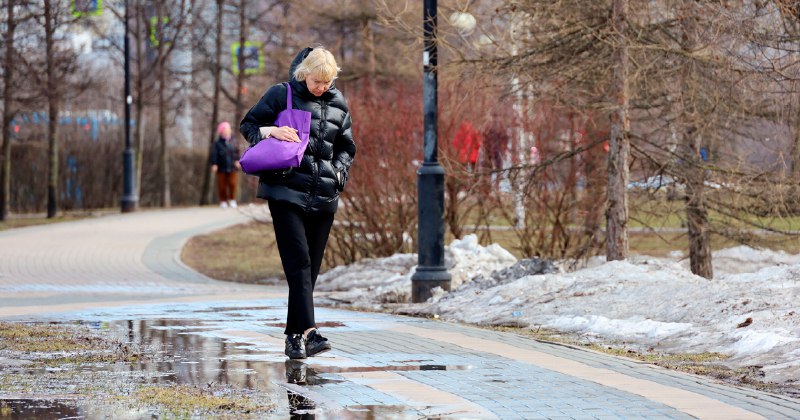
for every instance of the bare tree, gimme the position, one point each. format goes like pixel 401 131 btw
pixel 8 109
pixel 59 64
pixel 166 31
pixel 139 104
pixel 617 195
pixel 216 66
pixel 696 212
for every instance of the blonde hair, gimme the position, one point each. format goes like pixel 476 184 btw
pixel 320 62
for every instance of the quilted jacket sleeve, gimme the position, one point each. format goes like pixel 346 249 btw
pixel 263 113
pixel 344 151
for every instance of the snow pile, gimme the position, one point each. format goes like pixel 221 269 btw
pixel 467 259
pixel 370 282
pixel 373 282
pixel 754 316
pixel 743 259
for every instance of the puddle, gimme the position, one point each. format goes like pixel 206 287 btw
pixel 37 409
pixel 326 325
pixel 217 309
pixel 388 368
pixel 186 353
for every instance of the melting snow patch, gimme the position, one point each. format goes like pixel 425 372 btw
pixel 632 327
pixel 755 342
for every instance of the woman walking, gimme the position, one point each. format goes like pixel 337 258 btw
pixel 303 200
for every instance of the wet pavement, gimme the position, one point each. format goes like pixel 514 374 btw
pixel 201 332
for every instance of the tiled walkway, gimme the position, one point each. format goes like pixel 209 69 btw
pixel 433 368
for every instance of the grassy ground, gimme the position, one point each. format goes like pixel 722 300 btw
pixel 248 253
pixel 244 253
pixel 69 351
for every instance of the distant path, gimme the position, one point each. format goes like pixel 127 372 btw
pixel 119 259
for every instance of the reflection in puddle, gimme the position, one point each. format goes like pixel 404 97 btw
pixel 182 358
pixel 326 325
pixel 37 409
pixel 216 309
pixel 300 407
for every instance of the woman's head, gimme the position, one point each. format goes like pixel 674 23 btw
pixel 318 70
pixel 224 130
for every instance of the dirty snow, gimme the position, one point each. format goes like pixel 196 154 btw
pixel 749 311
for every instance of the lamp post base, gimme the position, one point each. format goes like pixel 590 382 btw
pixel 129 200
pixel 128 204
pixel 425 279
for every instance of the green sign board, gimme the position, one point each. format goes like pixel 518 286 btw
pixel 82 8
pixel 252 58
pixel 155 36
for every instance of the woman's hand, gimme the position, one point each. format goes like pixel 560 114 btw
pixel 285 133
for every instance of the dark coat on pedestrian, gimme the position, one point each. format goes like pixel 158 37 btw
pixel 315 184
pixel 224 155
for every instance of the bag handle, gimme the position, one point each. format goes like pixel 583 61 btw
pixel 288 96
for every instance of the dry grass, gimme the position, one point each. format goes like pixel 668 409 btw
pixel 56 345
pixel 243 253
pixel 43 338
pixel 183 401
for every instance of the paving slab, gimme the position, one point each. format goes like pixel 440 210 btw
pixel 127 267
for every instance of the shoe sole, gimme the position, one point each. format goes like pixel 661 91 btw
pixel 296 358
pixel 323 350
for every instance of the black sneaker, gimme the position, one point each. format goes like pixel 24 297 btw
pixel 316 343
pixel 295 346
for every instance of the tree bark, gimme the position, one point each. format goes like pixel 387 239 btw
pixel 164 48
pixel 239 105
pixel 52 110
pixel 8 114
pixel 695 174
pixel 205 192
pixel 696 212
pixel 139 105
pixel 619 145
pixel 162 133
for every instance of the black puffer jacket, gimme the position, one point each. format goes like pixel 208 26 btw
pixel 316 183
pixel 225 155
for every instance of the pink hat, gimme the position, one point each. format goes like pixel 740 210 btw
pixel 222 127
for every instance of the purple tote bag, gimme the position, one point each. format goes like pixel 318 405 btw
pixel 270 153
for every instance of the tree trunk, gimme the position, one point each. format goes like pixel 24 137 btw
pixel 619 146
pixel 795 163
pixel 205 192
pixel 52 110
pixel 239 105
pixel 162 132
pixel 8 114
pixel 694 172
pixel 369 39
pixel 696 212
pixel 139 105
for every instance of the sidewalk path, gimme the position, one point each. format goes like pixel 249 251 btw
pixel 118 259
pixel 437 369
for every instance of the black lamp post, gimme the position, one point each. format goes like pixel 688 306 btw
pixel 129 199
pixel 431 271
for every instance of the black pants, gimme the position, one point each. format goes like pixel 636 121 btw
pixel 301 238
